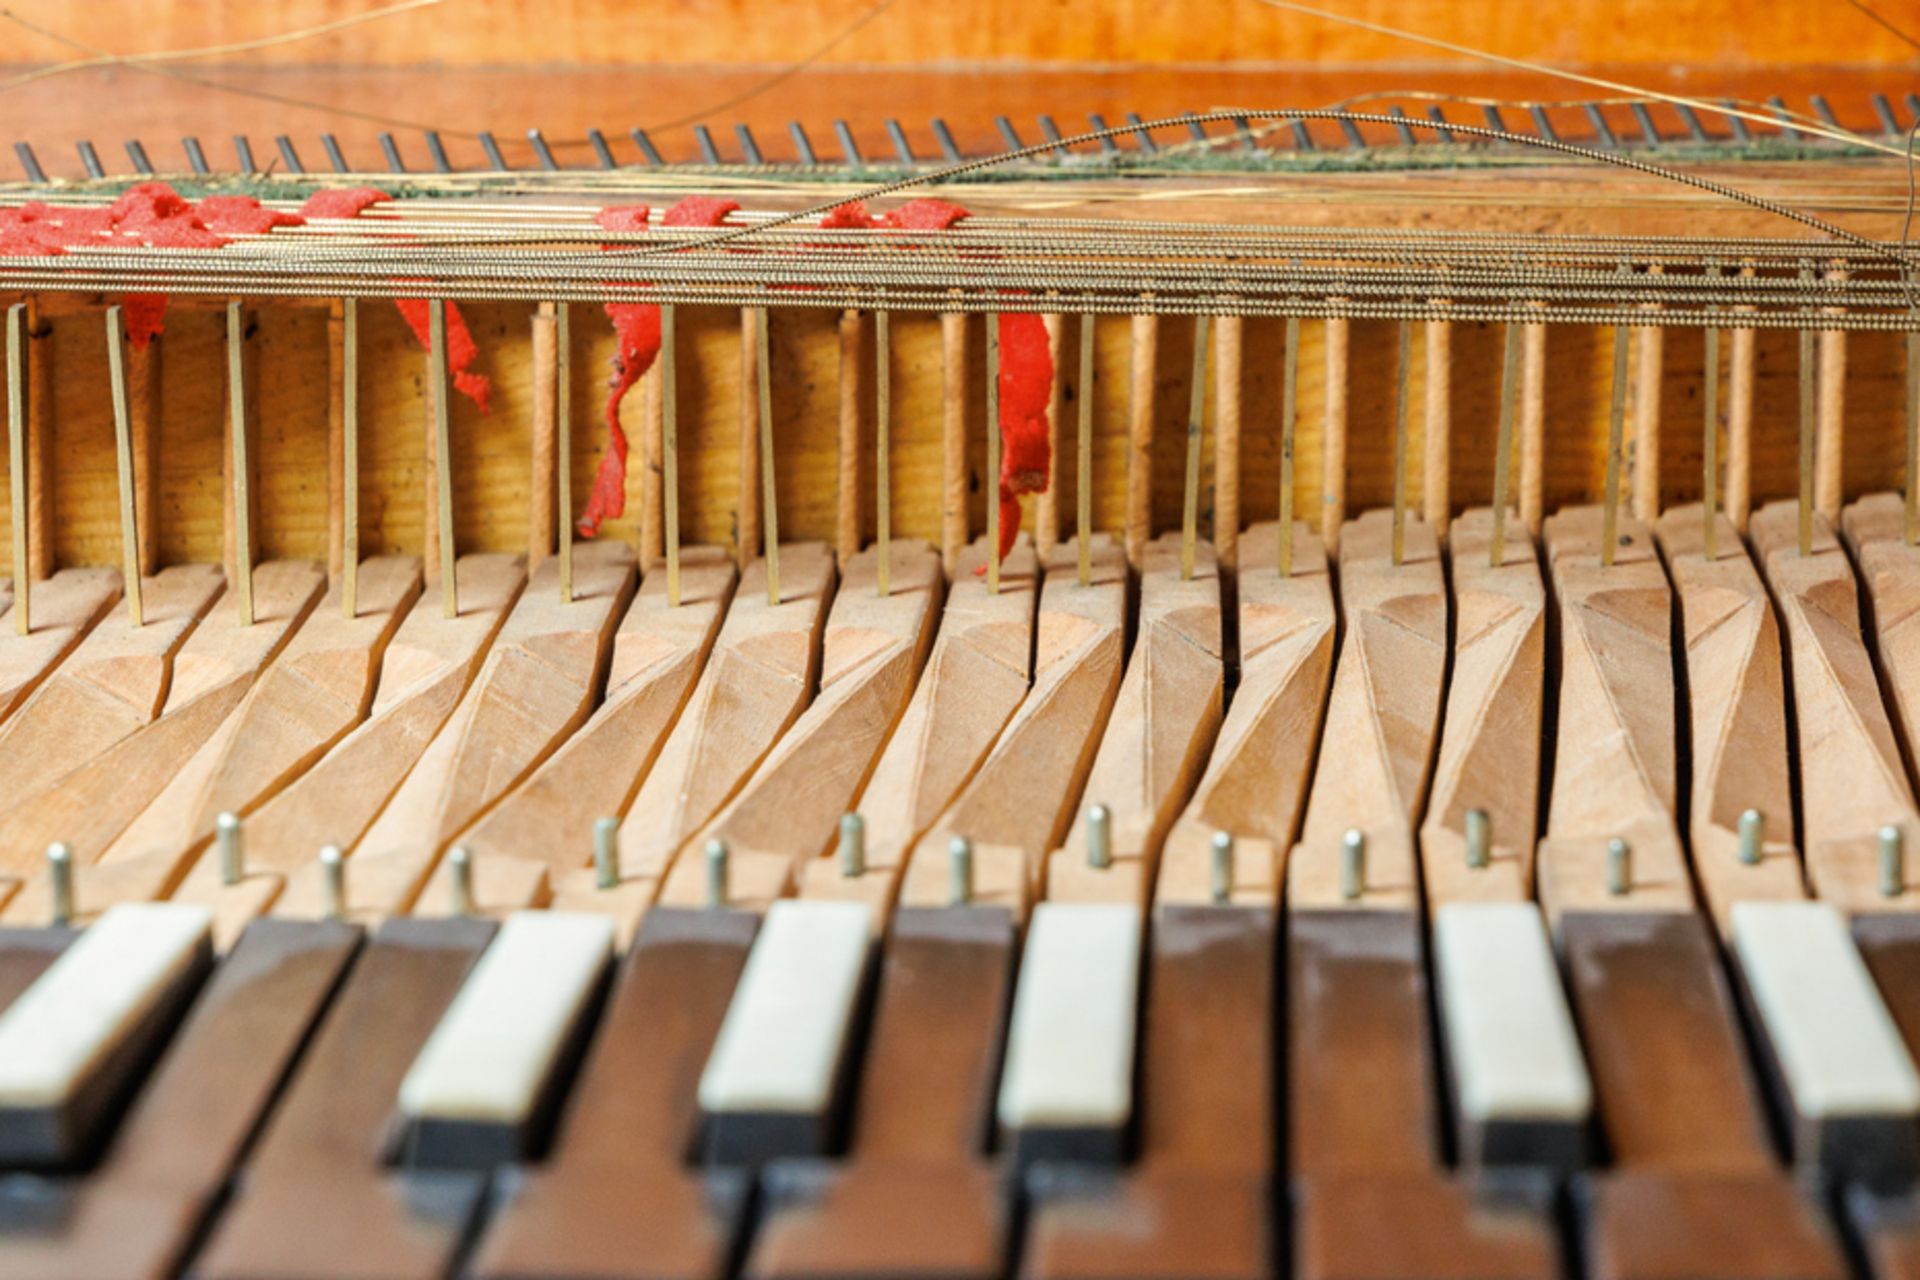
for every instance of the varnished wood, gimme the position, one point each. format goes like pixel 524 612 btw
pixel 1889 575
pixel 1444 1229
pixel 1645 1225
pixel 1229 357
pixel 65 609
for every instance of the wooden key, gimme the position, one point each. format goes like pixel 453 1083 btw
pixel 757 682
pixel 1256 775
pixel 915 1196
pixel 870 655
pixel 658 652
pixel 113 682
pixel 1614 773
pixel 313 1186
pixel 66 607
pixel 427 666
pixel 1360 1076
pixel 1652 1225
pixel 614 1186
pixel 1735 694
pixel 90 805
pixel 1875 529
pixel 1017 805
pixel 76 1042
pixel 141 1209
pixel 537 686
pixel 1423 1226
pixel 1852 780
pixel 1889 942
pixel 1671 1078
pixel 1382 717
pixel 1164 718
pixel 1489 757
pixel 1092 1225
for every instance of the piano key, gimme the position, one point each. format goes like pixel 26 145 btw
pixel 1521 1092
pixel 614 1187
pixel 1357 993
pixel 139 1210
pixel 1067 1088
pixel 1098 1224
pixel 773 1084
pixel 78 1039
pixel 1887 1228
pixel 1424 1226
pixel 487 1079
pixel 915 1197
pixel 1657 1225
pixel 1889 943
pixel 1672 1083
pixel 26 952
pixel 314 1185
pixel 1847 1084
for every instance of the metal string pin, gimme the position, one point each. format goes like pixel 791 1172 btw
pixel 716 872
pixel 237 433
pixel 1221 877
pixel 123 451
pixel 1196 423
pixel 1619 867
pixel 1099 837
pixel 1753 836
pixel 853 845
pixel 1353 864
pixel 1479 839
pixel 959 871
pixel 231 841
pixel 60 882
pixel 460 879
pixel 606 852
pixel 1893 861
pixel 333 881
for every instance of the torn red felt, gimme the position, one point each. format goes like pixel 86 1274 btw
pixel 345 202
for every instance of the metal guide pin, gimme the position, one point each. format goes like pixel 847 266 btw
pixel 443 452
pixel 123 450
pixel 17 463
pixel 1619 867
pixel 460 879
pixel 993 452
pixel 563 444
pixel 1616 425
pixel 1402 371
pixel 350 456
pixel 960 871
pixel 769 499
pixel 231 842
pixel 606 853
pixel 1479 839
pixel 60 883
pixel 853 845
pixel 1221 870
pixel 237 433
pixel 1083 473
pixel 882 460
pixel 333 882
pixel 1503 448
pixel 716 872
pixel 1753 836
pixel 1353 864
pixel 1099 837
pixel 1196 417
pixel 1289 412
pixel 1893 861
pixel 670 453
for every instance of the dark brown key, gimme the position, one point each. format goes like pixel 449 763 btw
pixel 1889 942
pixel 1423 1226
pixel 615 1197
pixel 1663 1226
pixel 25 954
pixel 1145 1225
pixel 316 1198
pixel 1672 1081
pixel 1360 1081
pixel 136 1214
pixel 915 1198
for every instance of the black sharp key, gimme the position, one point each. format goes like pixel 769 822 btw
pixel 1543 123
pixel 438 150
pixel 1143 137
pixel 288 154
pixel 647 150
pixel 708 151
pixel 1691 118
pixel 391 150
pixel 29 162
pixel 492 148
pixel 335 157
pixel 1439 117
pixel 1351 132
pixel 1049 130
pixel 1007 135
pixel 1824 110
pixel 601 151
pixel 1404 130
pixel 1889 123
pixel 848 147
pixel 541 151
pixel 138 155
pixel 90 158
pixel 1602 131
pixel 1644 118
pixel 1780 109
pixel 900 146
pixel 243 150
pixel 802 144
pixel 944 136
pixel 1739 126
pixel 196 158
pixel 1099 122
pixel 749 149
pixel 1494 120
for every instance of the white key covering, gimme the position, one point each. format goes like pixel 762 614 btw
pixel 1836 1045
pixel 780 1046
pixel 1510 1038
pixel 492 1053
pixel 76 1013
pixel 1069 1062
